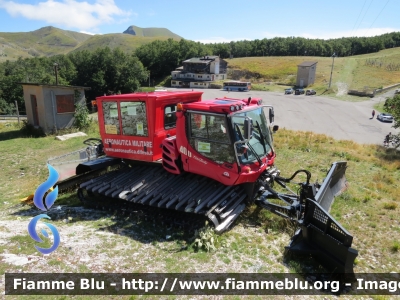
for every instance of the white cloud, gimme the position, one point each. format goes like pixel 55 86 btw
pixel 68 13
pixel 362 32
pixel 88 32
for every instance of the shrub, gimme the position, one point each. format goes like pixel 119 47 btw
pixel 205 238
pixel 390 206
pixel 5 108
pixel 215 86
pixel 292 81
pixel 395 247
pixel 82 118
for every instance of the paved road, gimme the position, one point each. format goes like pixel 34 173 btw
pixel 339 119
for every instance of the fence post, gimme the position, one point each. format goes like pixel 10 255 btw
pixel 16 106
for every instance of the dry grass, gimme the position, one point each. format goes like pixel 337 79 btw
pixel 98 241
pixel 372 197
pixel 353 70
pixel 23 159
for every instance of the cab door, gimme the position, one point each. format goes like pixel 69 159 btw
pixel 210 147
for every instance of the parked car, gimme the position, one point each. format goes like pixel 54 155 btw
pixel 311 92
pixel 298 91
pixel 289 91
pixel 397 91
pixel 385 117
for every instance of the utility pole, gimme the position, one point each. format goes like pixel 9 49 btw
pixel 333 61
pixel 16 106
pixel 149 79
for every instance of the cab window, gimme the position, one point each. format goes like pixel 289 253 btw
pixel 111 119
pixel 170 116
pixel 209 137
pixel 134 118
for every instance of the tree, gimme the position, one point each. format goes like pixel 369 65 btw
pixel 11 91
pixel 162 57
pixel 108 71
pixel 66 68
pixel 33 70
pixel 5 108
pixel 392 105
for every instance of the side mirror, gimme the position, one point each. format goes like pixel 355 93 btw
pixel 275 128
pixel 242 150
pixel 248 128
pixel 271 115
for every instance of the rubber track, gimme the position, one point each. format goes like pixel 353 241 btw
pixel 154 186
pixel 166 218
pixel 74 181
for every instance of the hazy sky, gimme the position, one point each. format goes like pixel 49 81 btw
pixel 208 21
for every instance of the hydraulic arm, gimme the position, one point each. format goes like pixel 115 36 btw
pixel 318 234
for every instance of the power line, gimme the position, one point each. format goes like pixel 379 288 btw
pixel 365 1
pixel 365 13
pixel 378 15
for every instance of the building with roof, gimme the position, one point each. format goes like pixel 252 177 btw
pixel 199 72
pixel 52 107
pixel 306 73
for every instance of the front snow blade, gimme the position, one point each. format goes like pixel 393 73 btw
pixel 334 184
pixel 319 233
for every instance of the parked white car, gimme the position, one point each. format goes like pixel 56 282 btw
pixel 385 117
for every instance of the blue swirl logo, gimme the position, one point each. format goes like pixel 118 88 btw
pixel 44 205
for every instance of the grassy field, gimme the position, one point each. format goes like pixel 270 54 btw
pixel 106 241
pixel 373 70
pixel 23 165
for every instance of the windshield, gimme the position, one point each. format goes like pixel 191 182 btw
pixel 260 143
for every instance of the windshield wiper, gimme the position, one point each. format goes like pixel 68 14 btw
pixel 255 153
pixel 264 138
pixel 261 136
pixel 248 144
pixel 239 132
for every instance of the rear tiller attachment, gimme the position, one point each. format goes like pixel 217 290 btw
pixel 318 233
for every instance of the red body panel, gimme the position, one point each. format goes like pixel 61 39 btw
pixel 194 162
pixel 144 148
pixel 171 144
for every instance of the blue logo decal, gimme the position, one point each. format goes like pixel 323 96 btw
pixel 43 188
pixel 45 205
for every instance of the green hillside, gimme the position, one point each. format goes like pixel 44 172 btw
pixel 372 70
pixel 45 41
pixel 125 42
pixel 48 41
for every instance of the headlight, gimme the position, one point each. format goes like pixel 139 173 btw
pixel 232 107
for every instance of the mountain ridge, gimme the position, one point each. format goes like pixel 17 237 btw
pixel 50 40
pixel 150 32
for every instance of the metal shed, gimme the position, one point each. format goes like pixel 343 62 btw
pixel 306 73
pixel 52 107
